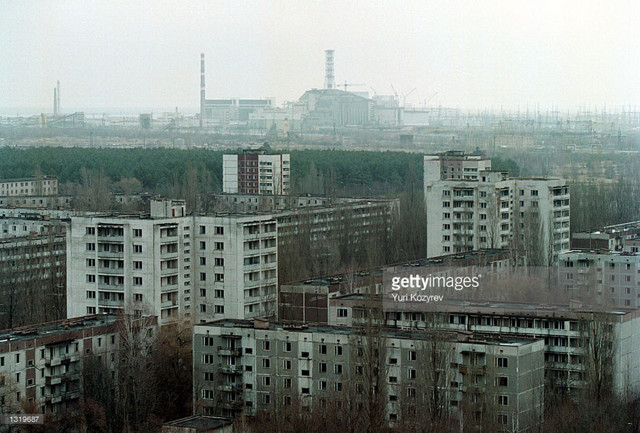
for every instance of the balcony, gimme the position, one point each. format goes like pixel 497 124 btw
pixel 230 369
pixel 225 351
pixel 59 378
pixel 169 304
pixel 111 287
pixel 472 369
pixel 111 271
pixel 111 254
pixel 169 271
pixel 110 303
pixel 169 288
pixel 232 405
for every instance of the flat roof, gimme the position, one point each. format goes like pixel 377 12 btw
pixel 200 422
pixel 453 335
pixel 57 327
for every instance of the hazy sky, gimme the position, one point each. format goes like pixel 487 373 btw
pixel 142 55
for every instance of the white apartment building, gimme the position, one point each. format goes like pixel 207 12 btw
pixel 47 185
pixel 609 277
pixel 255 172
pixel 172 265
pixel 470 207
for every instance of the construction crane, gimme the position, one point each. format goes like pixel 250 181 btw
pixel 347 85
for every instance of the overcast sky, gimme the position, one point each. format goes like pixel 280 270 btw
pixel 119 56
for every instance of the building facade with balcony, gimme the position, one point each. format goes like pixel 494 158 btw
pixel 255 366
pixel 172 265
pixel 479 208
pixel 41 365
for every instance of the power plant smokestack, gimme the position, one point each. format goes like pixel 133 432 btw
pixel 55 101
pixel 202 96
pixel 328 69
pixel 58 99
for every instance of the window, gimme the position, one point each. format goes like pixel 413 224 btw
pixel 218 277
pixel 91 263
pixel 203 308
pixel 219 246
pixel 287 346
pixel 338 350
pixel 502 419
pixel 203 245
pixel 338 386
pixel 91 246
pixel 137 248
pixel 137 297
pixel 286 382
pixel 266 363
pixel 412 374
pixel 219 294
pixel 503 400
pixel 91 230
pixel 91 310
pixel 342 312
pixel 91 278
pixel 203 276
pixel 137 233
pixel 337 368
pixel 137 265
pixel 203 261
pixel 502 381
pixel 91 294
pixel 137 281
pixel 502 362
pixel 322 367
pixel 219 230
pixel 266 345
pixel 322 385
pixel 219 262
pixel 286 364
pixel 323 349
pixel 219 309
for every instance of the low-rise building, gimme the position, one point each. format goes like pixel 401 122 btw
pixel 253 366
pixel 41 186
pixel 41 365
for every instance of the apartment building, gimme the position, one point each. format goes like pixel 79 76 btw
pixel 565 328
pixel 609 238
pixel 248 367
pixel 312 300
pixel 172 265
pixel 256 172
pixel 41 365
pixel 470 207
pixel 30 224
pixel 44 186
pixel 610 278
pixel 33 277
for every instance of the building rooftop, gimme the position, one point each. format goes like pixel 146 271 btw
pixel 200 422
pixel 452 335
pixel 57 327
pixel 467 258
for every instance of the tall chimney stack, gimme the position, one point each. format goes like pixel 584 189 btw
pixel 58 99
pixel 202 96
pixel 55 101
pixel 328 69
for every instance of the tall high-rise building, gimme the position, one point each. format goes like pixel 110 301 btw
pixel 172 265
pixel 256 172
pixel 470 207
